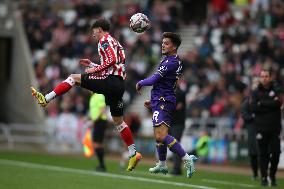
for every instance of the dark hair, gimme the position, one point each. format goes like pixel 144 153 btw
pixel 101 23
pixel 269 70
pixel 174 37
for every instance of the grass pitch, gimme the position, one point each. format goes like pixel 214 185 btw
pixel 41 171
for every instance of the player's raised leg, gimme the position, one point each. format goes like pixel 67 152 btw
pixel 59 90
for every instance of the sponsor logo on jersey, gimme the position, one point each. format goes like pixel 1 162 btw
pixel 105 45
pixel 271 93
pixel 258 136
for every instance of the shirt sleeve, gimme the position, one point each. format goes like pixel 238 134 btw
pixel 150 80
pixel 110 56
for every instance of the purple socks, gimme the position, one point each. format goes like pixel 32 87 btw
pixel 174 146
pixel 162 151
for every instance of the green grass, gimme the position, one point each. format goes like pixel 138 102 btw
pixel 40 171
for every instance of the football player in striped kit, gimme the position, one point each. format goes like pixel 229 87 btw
pixel 106 78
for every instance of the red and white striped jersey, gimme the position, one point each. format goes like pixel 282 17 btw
pixel 112 57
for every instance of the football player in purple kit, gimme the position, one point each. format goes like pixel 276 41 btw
pixel 163 103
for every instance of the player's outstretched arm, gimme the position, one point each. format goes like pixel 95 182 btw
pixel 150 80
pixel 147 82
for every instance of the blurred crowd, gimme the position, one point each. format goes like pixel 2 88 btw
pixel 234 40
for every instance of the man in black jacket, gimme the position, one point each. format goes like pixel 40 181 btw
pixel 266 102
pixel 179 122
pixel 248 118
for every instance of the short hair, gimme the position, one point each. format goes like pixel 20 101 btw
pixel 269 70
pixel 174 37
pixel 101 23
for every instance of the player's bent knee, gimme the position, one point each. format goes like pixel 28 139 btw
pixel 74 79
pixel 159 137
pixel 118 120
pixel 160 133
pixel 120 127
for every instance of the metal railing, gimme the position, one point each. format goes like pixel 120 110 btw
pixel 23 133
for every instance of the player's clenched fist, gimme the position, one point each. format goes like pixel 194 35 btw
pixel 138 88
pixel 147 104
pixel 85 62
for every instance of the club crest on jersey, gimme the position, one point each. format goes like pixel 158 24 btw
pixel 162 68
pixel 258 136
pixel 271 93
pixel 120 104
pixel 105 45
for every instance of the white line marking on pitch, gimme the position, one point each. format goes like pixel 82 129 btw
pixel 112 175
pixel 228 183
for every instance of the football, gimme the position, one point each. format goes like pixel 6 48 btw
pixel 139 22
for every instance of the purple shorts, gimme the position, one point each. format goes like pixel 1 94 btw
pixel 162 112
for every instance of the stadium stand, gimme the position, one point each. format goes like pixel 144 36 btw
pixel 225 45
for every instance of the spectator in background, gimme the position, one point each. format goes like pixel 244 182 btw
pixel 266 102
pixel 194 11
pixel 248 117
pixel 99 118
pixel 66 127
pixel 179 122
pixel 201 149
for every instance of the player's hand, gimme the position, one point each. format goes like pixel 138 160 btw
pixel 147 104
pixel 85 62
pixel 138 88
pixel 89 70
pixel 179 106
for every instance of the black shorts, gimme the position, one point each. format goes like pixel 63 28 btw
pixel 111 87
pixel 98 131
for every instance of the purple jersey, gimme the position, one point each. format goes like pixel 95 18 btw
pixel 163 100
pixel 169 70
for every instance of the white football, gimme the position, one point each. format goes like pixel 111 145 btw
pixel 139 22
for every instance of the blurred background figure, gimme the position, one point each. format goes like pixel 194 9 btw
pixel 99 118
pixel 201 149
pixel 179 122
pixel 248 118
pixel 66 128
